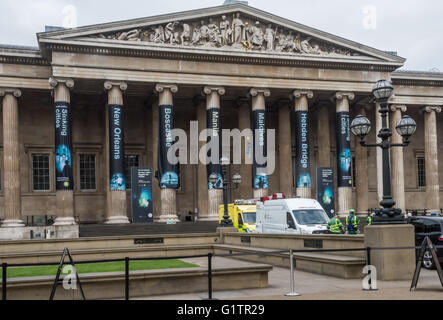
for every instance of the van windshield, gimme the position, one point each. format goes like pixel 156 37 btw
pixel 250 217
pixel 310 217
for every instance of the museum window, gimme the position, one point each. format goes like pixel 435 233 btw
pixel 131 160
pixel 88 172
pixel 41 180
pixel 421 172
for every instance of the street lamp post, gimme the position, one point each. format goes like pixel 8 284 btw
pixel 236 181
pixel 406 127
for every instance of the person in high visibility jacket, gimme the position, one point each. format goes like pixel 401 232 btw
pixel 352 223
pixel 335 226
pixel 370 219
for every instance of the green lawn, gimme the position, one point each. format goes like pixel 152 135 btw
pixel 99 268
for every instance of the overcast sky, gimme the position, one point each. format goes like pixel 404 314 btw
pixel 413 28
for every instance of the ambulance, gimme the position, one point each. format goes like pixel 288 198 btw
pixel 291 216
pixel 242 213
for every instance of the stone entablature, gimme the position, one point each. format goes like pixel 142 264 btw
pixel 236 32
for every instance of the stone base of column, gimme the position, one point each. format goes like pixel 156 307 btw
pixel 392 264
pixel 344 201
pixel 258 193
pixel 64 221
pixel 117 220
pixel 168 206
pixel 13 224
pixel 304 193
pixel 215 199
pixel 117 214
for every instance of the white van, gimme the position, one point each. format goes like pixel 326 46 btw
pixel 291 216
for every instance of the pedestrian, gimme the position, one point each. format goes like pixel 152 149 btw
pixel 370 219
pixel 335 226
pixel 352 223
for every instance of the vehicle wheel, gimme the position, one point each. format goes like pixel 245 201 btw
pixel 428 260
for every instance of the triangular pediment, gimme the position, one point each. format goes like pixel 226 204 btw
pixel 236 30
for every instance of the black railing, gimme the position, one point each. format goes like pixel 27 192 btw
pixel 210 257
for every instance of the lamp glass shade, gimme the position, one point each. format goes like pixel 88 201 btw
pixel 382 90
pixel 361 126
pixel 213 178
pixel 406 127
pixel 224 161
pixel 237 179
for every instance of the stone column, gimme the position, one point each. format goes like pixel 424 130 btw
pixel 244 122
pixel 397 162
pixel 11 159
pixel 64 194
pixel 202 174
pixel 361 179
pixel 168 212
pixel 431 159
pixel 259 104
pixel 323 136
pixel 344 160
pixel 285 148
pixel 303 163
pixel 116 195
pixel 215 196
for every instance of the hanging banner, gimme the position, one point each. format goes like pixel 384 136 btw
pixel 142 196
pixel 116 148
pixel 214 132
pixel 259 175
pixel 168 173
pixel 325 190
pixel 63 146
pixel 344 158
pixel 303 164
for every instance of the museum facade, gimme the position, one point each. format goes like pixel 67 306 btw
pixel 91 102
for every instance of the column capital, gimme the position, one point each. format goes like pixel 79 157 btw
pixel 14 91
pixel 341 95
pixel 254 92
pixel 161 87
pixel 395 107
pixel 123 86
pixel 207 90
pixel 429 109
pixel 54 82
pixel 300 93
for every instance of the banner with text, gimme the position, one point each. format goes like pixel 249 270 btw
pixel 168 173
pixel 142 196
pixel 259 174
pixel 116 148
pixel 303 164
pixel 325 190
pixel 344 158
pixel 214 133
pixel 63 146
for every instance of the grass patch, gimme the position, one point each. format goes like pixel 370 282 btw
pixel 42 271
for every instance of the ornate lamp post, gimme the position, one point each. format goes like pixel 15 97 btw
pixel 406 127
pixel 236 181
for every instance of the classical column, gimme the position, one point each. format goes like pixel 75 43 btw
pixel 323 136
pixel 303 163
pixel 260 176
pixel 397 162
pixel 344 158
pixel 244 123
pixel 202 174
pixel 167 172
pixel 285 148
pixel 115 155
pixel 63 151
pixel 11 159
pixel 431 159
pixel 361 179
pixel 213 124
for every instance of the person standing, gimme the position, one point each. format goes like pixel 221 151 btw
pixel 352 223
pixel 335 226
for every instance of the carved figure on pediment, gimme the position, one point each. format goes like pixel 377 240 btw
pixel 196 35
pixel 171 35
pixel 226 31
pixel 159 35
pixel 257 36
pixel 306 47
pixel 132 35
pixel 204 32
pixel 282 42
pixel 270 37
pixel 238 27
pixel 215 37
pixel 186 34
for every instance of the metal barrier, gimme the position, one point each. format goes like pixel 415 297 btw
pixel 210 256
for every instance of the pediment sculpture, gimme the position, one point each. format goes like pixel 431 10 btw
pixel 234 32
